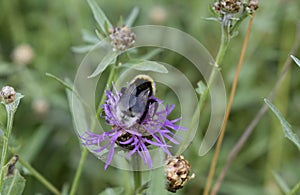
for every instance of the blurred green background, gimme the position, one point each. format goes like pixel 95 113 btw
pixel 36 37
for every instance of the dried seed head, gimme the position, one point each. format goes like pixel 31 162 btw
pixel 252 6
pixel 228 6
pixel 177 171
pixel 8 94
pixel 122 38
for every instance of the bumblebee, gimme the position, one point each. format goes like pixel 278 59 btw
pixel 135 100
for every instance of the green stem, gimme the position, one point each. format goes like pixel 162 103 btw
pixel 10 119
pixel 137 180
pixel 109 81
pixel 295 189
pixel 84 152
pixel 222 50
pixel 39 177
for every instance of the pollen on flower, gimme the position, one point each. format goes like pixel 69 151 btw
pixel 156 130
pixel 122 38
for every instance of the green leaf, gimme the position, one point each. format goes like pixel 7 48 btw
pixel 132 16
pixel 106 61
pixel 287 129
pixel 201 87
pixel 99 16
pixel 65 189
pixel 113 191
pixel 151 54
pixel 296 60
pixel 281 183
pixel 13 183
pixel 66 85
pixel 150 66
pixel 82 48
pixel 89 37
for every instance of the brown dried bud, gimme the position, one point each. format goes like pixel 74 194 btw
pixel 230 6
pixel 177 171
pixel 122 38
pixel 8 94
pixel 252 6
pixel 217 7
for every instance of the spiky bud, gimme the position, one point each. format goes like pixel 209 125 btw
pixel 177 171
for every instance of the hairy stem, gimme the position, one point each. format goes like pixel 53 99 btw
pixel 10 119
pixel 228 109
pixel 222 50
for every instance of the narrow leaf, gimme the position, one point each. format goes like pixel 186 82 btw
pixel 151 54
pixel 201 87
pixel 281 183
pixel 287 129
pixel 99 16
pixel 132 16
pixel 82 48
pixel 88 37
pixel 66 85
pixel 113 191
pixel 296 60
pixel 150 66
pixel 106 61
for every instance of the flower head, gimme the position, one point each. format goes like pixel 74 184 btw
pixel 122 38
pixel 8 94
pixel 177 171
pixel 155 130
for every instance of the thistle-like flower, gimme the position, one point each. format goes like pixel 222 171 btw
pixel 137 136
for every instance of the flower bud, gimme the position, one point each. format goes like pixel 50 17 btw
pixel 177 171
pixel 122 38
pixel 8 94
pixel 252 6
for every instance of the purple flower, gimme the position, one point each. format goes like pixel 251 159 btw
pixel 154 130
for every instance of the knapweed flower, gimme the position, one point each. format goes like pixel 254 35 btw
pixel 122 38
pixel 155 130
pixel 177 171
